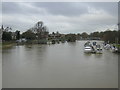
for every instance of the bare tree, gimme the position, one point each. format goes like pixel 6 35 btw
pixel 40 30
pixel 7 29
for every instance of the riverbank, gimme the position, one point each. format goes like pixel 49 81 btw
pixel 10 44
pixel 7 44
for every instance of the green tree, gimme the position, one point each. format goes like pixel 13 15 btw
pixel 29 35
pixel 94 34
pixel 84 35
pixel 17 35
pixel 6 33
pixel 70 37
pixel 110 36
pixel 7 36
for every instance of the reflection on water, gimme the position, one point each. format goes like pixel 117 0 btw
pixel 98 55
pixel 63 65
pixel 87 54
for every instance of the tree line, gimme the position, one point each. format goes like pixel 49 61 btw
pixel 110 36
pixel 40 32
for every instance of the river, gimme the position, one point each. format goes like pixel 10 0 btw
pixel 63 65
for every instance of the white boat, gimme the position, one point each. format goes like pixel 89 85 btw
pixel 114 49
pixel 87 44
pixel 99 49
pixel 107 47
pixel 88 49
pixel 94 43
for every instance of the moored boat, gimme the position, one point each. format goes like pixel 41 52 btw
pixel 99 49
pixel 114 49
pixel 88 49
pixel 87 44
pixel 94 43
pixel 107 46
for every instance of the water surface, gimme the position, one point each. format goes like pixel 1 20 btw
pixel 63 65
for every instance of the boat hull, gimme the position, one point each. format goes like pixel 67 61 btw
pixel 88 49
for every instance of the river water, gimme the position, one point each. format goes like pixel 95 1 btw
pixel 63 65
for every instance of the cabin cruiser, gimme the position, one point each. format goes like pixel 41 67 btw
pixel 94 43
pixel 107 46
pixel 88 49
pixel 98 49
pixel 87 44
pixel 114 49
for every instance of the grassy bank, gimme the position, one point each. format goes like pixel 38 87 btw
pixel 7 44
pixel 117 45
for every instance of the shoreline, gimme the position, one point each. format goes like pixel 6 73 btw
pixel 5 45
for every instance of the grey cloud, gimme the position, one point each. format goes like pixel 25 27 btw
pixel 71 17
pixel 110 7
pixel 10 8
pixel 59 8
pixel 69 8
pixel 19 8
pixel 62 8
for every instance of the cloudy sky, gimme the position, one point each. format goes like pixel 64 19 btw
pixel 65 17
